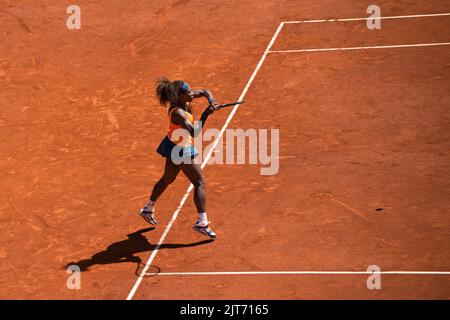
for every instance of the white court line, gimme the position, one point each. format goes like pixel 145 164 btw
pixel 235 273
pixel 371 18
pixel 363 48
pixel 188 191
pixel 205 161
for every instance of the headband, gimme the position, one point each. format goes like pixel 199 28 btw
pixel 185 87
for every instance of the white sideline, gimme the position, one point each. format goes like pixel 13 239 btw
pixel 205 161
pixel 362 48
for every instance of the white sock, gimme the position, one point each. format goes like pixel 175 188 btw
pixel 150 205
pixel 202 218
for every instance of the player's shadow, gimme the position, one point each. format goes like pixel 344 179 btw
pixel 125 250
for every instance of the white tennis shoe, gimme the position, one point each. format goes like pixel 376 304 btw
pixel 205 230
pixel 148 216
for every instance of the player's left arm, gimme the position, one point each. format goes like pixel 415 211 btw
pixel 207 94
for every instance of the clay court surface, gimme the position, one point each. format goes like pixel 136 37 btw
pixel 364 173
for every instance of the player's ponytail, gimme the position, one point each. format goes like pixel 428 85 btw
pixel 165 91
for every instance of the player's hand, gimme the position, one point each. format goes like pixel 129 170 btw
pixel 211 108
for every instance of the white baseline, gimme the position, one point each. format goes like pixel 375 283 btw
pixel 236 273
pixel 428 15
pixel 363 48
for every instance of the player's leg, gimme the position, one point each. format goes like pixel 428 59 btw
pixel 171 171
pixel 194 173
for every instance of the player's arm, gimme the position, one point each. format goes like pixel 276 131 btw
pixel 179 119
pixel 205 93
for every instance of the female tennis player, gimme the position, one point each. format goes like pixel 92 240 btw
pixel 175 147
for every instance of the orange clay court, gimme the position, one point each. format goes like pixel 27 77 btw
pixel 364 150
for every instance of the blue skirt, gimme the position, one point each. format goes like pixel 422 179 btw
pixel 166 146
